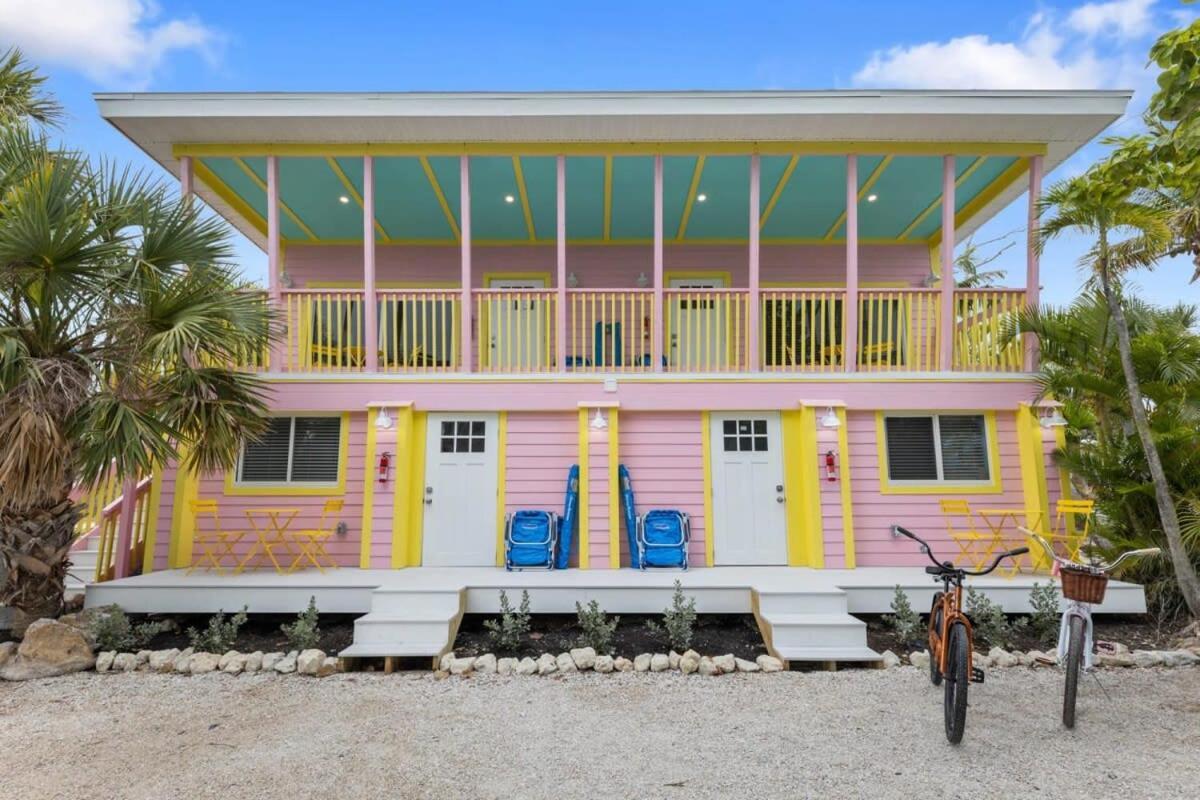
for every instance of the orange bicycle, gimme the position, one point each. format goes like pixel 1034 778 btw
pixel 951 637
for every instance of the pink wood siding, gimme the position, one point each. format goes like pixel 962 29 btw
pixel 613 266
pixel 598 522
pixel 664 454
pixel 541 449
pixel 875 512
pixel 383 506
pixel 831 501
pixel 344 549
pixel 166 507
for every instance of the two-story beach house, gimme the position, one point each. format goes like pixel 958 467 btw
pixel 745 298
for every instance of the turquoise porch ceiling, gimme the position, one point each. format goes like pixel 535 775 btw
pixel 809 204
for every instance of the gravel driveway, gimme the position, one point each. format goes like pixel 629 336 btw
pixel 847 734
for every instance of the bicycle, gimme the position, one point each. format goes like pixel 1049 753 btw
pixel 951 636
pixel 1082 586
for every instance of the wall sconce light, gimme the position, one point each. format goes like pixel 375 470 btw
pixel 1055 420
pixel 383 420
pixel 642 281
pixel 830 419
pixel 573 280
pixel 285 280
pixel 599 423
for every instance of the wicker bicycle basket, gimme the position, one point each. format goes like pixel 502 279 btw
pixel 1083 585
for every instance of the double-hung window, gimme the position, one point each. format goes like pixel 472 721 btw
pixel 950 449
pixel 302 451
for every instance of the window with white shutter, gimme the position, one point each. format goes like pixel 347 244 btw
pixel 294 450
pixel 937 448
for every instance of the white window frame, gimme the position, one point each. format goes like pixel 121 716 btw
pixel 289 483
pixel 937 450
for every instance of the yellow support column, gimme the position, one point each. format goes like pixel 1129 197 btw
pixel 405 488
pixel 706 453
pixel 183 521
pixel 801 484
pixel 614 494
pixel 369 479
pixel 501 457
pixel 847 496
pixel 1033 473
pixel 583 488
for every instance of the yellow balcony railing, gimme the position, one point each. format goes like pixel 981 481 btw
pixel 419 330
pixel 802 329
pixel 706 330
pixel 610 330
pixel 514 330
pixel 898 330
pixel 984 322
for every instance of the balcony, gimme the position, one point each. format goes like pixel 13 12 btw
pixel 616 331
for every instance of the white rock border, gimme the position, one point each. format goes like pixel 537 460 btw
pixel 585 659
pixel 314 662
pixel 1118 657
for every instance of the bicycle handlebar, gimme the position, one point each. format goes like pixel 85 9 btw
pixel 947 566
pixel 1144 551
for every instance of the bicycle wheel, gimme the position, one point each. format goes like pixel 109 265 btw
pixel 958 679
pixel 1074 662
pixel 935 670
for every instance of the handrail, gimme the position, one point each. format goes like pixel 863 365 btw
pixel 109 529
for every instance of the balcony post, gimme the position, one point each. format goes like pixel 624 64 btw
pixel 277 356
pixel 850 315
pixel 121 558
pixel 1032 261
pixel 371 309
pixel 656 344
pixel 464 183
pixel 753 313
pixel 947 262
pixel 186 178
pixel 560 193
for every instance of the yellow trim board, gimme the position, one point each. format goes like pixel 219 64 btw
pixel 501 460
pixel 524 195
pixel 985 196
pixel 706 458
pixel 368 502
pixel 847 493
pixel 697 172
pixel 779 189
pixel 608 168
pixel 183 521
pixel 584 515
pixel 252 175
pixel 353 192
pixel 1033 460
pixel 993 486
pixel 781 241
pixel 451 220
pixel 970 170
pixel 805 535
pixel 414 541
pixel 488 277
pixel 1064 475
pixel 231 198
pixel 682 148
pixel 698 274
pixel 614 495
pixel 862 192
pixel 233 489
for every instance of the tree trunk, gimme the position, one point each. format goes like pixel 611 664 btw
pixel 1185 572
pixel 34 546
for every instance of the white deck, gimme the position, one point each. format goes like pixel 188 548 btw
pixel 803 614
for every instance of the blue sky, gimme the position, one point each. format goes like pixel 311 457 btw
pixel 111 45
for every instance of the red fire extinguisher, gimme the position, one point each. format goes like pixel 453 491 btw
pixel 830 466
pixel 385 465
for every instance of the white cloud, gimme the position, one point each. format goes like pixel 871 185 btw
pixel 1119 19
pixel 1049 54
pixel 122 41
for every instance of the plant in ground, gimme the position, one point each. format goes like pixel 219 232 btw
pixel 1045 619
pixel 904 621
pixel 991 626
pixel 679 621
pixel 597 628
pixel 220 636
pixel 303 634
pixel 121 330
pixel 507 632
pixel 112 630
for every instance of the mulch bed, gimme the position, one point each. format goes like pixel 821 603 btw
pixel 715 634
pixel 1135 631
pixel 261 632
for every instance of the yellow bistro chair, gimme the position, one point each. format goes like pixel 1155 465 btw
pixel 311 541
pixel 1068 530
pixel 216 543
pixel 974 545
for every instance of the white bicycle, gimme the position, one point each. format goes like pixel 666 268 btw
pixel 1083 585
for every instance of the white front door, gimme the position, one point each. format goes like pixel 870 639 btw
pixel 460 491
pixel 698 321
pixel 518 327
pixel 748 501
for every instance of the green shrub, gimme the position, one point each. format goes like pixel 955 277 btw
pixel 507 632
pixel 112 630
pixel 1046 618
pixel 904 621
pixel 597 628
pixel 679 621
pixel 992 627
pixel 220 636
pixel 303 634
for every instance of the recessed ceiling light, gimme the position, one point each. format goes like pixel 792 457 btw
pixel 508 198
pixel 343 199
pixel 700 198
pixel 871 198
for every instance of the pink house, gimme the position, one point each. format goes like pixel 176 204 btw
pixel 743 297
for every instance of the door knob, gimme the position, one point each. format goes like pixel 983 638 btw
pixel 779 498
pixel 779 487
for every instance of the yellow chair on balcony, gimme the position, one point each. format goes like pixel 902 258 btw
pixel 311 541
pixel 1068 530
pixel 216 543
pixel 974 546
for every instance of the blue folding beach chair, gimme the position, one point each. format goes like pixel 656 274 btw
pixel 570 517
pixel 530 537
pixel 659 538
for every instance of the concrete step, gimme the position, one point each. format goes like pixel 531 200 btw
pixel 863 653
pixel 774 602
pixel 415 603
pixel 795 633
pixel 389 631
pixel 397 649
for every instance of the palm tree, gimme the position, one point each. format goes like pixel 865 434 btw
pixel 969 265
pixel 1095 205
pixel 21 96
pixel 120 329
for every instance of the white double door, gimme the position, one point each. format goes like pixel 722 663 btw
pixel 749 517
pixel 461 452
